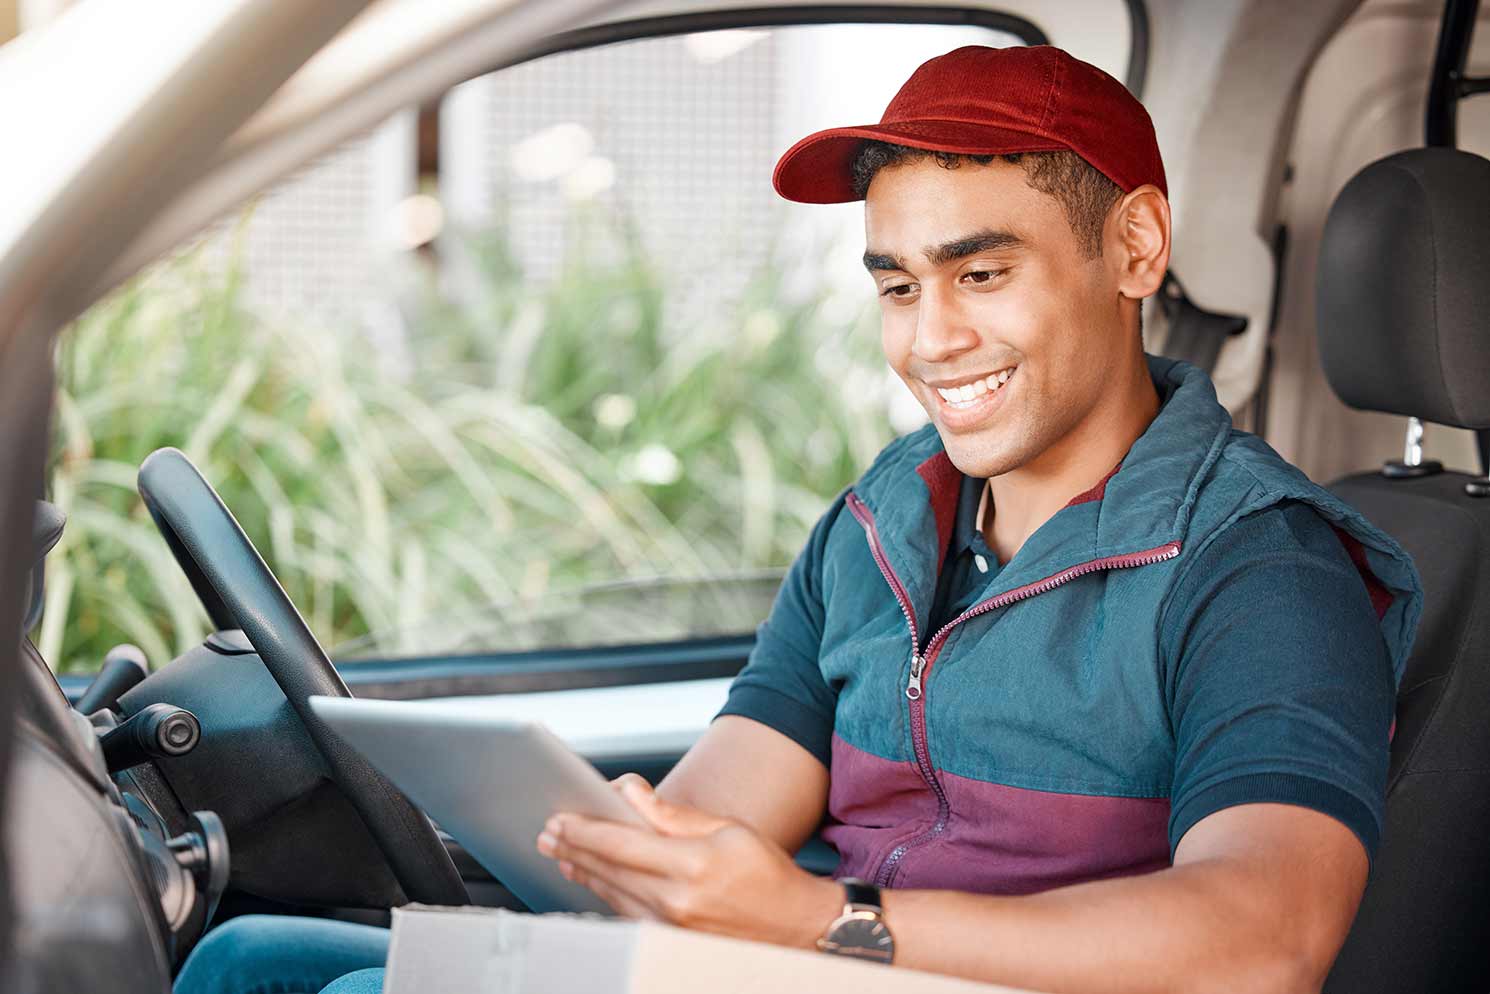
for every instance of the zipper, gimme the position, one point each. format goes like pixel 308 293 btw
pixel 922 659
pixel 913 688
pixel 1155 555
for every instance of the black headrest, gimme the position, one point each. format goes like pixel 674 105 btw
pixel 1404 288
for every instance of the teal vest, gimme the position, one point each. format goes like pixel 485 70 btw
pixel 1026 744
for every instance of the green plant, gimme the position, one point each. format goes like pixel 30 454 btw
pixel 532 443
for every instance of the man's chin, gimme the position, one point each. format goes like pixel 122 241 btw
pixel 972 459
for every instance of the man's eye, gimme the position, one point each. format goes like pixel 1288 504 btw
pixel 978 277
pixel 898 290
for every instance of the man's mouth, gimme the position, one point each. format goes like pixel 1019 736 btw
pixel 966 396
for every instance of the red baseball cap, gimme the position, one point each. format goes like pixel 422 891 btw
pixel 990 101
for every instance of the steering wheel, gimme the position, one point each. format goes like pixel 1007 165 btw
pixel 239 591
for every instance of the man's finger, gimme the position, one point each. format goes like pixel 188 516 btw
pixel 624 845
pixel 621 902
pixel 640 892
pixel 596 873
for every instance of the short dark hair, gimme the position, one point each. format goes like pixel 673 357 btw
pixel 1083 193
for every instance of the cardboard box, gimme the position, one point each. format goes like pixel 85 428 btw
pixel 486 951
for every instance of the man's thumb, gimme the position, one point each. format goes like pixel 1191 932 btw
pixel 664 816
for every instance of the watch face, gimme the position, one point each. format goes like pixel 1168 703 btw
pixel 866 937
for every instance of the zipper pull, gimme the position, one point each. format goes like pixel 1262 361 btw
pixel 913 689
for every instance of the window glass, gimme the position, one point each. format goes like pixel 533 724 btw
pixel 549 365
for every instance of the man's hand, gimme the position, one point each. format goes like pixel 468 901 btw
pixel 692 869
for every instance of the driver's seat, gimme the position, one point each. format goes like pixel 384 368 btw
pixel 1404 327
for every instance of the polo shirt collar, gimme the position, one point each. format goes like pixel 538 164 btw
pixel 973 500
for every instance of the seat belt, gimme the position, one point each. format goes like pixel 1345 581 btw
pixel 1195 334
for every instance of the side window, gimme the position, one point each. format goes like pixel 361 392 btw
pixel 547 365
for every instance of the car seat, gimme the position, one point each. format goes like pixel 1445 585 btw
pixel 1404 327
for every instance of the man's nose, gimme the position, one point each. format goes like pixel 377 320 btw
pixel 942 331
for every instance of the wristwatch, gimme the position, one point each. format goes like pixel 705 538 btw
pixel 860 931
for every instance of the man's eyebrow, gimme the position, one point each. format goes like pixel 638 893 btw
pixel 957 248
pixel 980 241
pixel 875 261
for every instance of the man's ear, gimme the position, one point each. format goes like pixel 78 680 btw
pixel 1141 235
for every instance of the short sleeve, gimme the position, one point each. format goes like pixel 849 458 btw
pixel 781 685
pixel 1280 686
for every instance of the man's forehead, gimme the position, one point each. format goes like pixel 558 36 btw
pixel 921 210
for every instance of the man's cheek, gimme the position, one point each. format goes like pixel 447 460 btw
pixel 896 338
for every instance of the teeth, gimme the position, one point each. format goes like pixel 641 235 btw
pixel 964 395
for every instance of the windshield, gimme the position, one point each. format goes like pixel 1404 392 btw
pixel 547 363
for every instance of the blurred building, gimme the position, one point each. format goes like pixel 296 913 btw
pixel 672 139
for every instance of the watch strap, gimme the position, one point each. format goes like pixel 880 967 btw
pixel 861 894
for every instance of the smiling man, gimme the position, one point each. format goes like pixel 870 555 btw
pixel 1091 691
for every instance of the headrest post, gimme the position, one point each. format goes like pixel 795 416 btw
pixel 1413 464
pixel 1481 487
pixel 1412 452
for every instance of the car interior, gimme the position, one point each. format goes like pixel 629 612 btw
pixel 1330 271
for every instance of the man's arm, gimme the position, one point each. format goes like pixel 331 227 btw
pixel 1260 898
pixel 746 772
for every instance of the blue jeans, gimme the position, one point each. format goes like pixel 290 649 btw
pixel 278 954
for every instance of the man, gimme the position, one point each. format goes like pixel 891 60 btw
pixel 1116 719
pixel 1091 691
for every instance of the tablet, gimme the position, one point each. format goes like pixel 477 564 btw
pixel 489 781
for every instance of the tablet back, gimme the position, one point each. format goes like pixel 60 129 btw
pixel 491 782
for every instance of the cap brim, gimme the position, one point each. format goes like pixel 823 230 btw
pixel 817 170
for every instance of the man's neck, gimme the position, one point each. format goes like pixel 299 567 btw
pixel 1022 500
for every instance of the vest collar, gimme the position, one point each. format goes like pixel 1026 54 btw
pixel 1145 503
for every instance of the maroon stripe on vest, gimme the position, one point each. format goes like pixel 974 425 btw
pixel 998 839
pixel 944 480
pixel 1381 597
